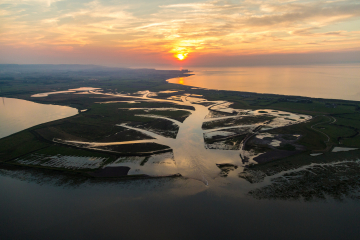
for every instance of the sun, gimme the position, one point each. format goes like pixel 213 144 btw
pixel 180 52
pixel 181 56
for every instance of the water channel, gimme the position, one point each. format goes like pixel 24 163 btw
pixel 192 159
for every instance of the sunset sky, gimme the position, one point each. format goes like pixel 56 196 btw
pixel 203 33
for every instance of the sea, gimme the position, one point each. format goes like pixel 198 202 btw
pixel 318 81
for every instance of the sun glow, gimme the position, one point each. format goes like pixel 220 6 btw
pixel 181 56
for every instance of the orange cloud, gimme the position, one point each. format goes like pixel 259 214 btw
pixel 252 27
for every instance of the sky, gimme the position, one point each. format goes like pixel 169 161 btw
pixel 141 33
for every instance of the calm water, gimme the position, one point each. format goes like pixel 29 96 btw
pixel 335 82
pixel 17 114
pixel 161 209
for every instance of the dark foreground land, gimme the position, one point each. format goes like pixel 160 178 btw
pixel 334 123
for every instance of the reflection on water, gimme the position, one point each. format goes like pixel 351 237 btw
pixel 333 82
pixel 154 165
pixel 17 114
pixel 36 206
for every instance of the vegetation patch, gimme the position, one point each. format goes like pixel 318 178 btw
pixel 231 143
pixel 162 127
pixel 317 181
pixel 19 144
pixel 133 149
pixel 287 147
pixel 226 168
pixel 311 139
pixel 245 120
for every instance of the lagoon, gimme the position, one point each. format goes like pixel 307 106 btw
pixel 18 114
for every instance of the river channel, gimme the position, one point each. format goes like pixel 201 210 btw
pixel 192 159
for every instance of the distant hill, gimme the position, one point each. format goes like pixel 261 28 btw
pixel 52 67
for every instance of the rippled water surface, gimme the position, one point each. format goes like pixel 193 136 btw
pixel 335 82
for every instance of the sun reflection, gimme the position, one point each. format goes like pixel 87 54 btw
pixel 181 80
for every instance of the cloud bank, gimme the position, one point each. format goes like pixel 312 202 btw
pixel 123 32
